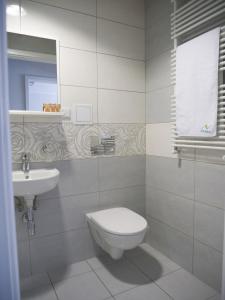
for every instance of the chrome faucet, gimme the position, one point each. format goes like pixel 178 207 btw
pixel 26 164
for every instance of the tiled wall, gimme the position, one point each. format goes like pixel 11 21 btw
pixel 102 62
pixel 184 200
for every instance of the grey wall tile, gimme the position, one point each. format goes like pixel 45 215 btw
pixel 119 39
pixel 131 197
pixel 76 177
pixel 157 10
pixel 24 259
pixel 124 11
pixel 210 188
pixel 173 243
pixel 21 228
pixel 176 211
pixel 208 265
pixel 166 174
pixel 158 72
pixel 117 172
pixel 209 156
pixel 158 106
pixel 61 249
pixel 57 215
pixel 209 225
pixel 158 38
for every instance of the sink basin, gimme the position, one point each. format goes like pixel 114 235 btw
pixel 40 181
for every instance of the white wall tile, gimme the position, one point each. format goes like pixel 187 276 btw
pixel 84 6
pixel 79 95
pixel 125 11
pixel 120 73
pixel 121 107
pixel 72 29
pixel 121 40
pixel 158 140
pixel 78 67
pixel 12 22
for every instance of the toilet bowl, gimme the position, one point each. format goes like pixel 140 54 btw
pixel 117 229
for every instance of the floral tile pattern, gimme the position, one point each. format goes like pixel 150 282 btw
pixel 17 141
pixel 130 138
pixel 65 141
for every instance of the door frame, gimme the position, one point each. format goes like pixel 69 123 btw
pixel 9 275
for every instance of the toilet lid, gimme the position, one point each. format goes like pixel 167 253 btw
pixel 120 221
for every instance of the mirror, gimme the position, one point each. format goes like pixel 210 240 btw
pixel 32 65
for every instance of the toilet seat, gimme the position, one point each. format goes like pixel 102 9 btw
pixel 119 221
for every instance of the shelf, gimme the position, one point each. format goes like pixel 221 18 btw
pixel 35 113
pixel 35 116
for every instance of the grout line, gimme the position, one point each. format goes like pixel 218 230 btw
pixel 169 192
pixel 187 236
pixel 102 53
pixel 63 8
pixel 95 192
pixel 159 88
pixel 143 272
pixel 194 214
pixel 104 89
pixel 171 227
pixel 52 286
pixel 87 14
pixel 125 24
pixel 181 196
pixel 101 281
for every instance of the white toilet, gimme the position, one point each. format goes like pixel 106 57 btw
pixel 117 229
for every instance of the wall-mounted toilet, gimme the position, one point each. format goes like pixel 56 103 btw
pixel 117 229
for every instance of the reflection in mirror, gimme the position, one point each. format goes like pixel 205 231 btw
pixel 32 65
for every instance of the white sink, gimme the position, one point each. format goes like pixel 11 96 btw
pixel 40 181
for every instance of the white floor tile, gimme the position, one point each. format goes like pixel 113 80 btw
pixel 181 285
pixel 69 271
pixel 102 261
pixel 152 262
pixel 146 292
pixel 217 297
pixel 34 282
pixel 83 287
pixel 121 277
pixel 42 293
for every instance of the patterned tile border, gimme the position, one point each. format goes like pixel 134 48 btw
pixel 65 141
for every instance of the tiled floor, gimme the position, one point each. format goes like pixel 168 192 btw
pixel 143 274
